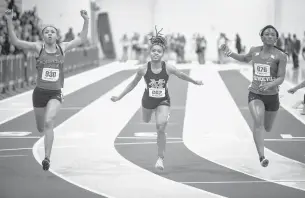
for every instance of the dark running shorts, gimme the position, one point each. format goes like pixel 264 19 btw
pixel 41 97
pixel 271 102
pixel 154 103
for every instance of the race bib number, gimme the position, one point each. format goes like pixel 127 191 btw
pixel 49 74
pixel 261 69
pixel 157 93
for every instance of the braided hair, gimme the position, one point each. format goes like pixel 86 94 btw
pixel 158 39
pixel 277 35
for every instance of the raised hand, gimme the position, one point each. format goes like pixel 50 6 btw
pixel 84 14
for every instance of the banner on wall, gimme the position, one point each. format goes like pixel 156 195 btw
pixel 105 35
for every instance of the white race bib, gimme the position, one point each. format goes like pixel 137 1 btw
pixel 49 74
pixel 157 93
pixel 261 69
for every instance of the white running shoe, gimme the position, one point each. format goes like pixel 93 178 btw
pixel 159 165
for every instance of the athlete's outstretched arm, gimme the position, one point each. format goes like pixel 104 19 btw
pixel 239 57
pixel 131 85
pixel 297 87
pixel 173 70
pixel 81 38
pixel 13 38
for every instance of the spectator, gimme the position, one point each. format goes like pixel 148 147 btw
pixel 288 45
pixel 201 44
pixel 295 50
pixel 238 44
pixel 303 47
pixel 69 35
pixel 125 45
pixel 26 28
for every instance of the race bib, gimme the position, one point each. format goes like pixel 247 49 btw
pixel 49 74
pixel 157 93
pixel 262 69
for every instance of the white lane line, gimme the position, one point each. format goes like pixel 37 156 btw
pixel 144 143
pixel 246 108
pixel 6 156
pixel 152 122
pixel 30 108
pixel 289 136
pixel 230 122
pixel 72 84
pixel 285 140
pixel 244 182
pixel 28 137
pixel 30 148
pixel 146 134
pixel 143 138
pixel 15 133
pixel 286 136
pixel 15 149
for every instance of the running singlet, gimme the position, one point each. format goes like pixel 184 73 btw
pixel 50 69
pixel 264 71
pixel 156 84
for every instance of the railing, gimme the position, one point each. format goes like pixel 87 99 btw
pixel 18 71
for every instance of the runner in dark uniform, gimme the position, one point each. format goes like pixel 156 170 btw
pixel 269 69
pixel 156 98
pixel 47 96
pixel 156 92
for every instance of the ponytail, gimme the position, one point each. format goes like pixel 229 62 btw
pixel 158 39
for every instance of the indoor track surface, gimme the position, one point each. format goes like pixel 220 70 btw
pixel 104 149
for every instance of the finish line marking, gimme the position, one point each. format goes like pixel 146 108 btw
pixel 15 133
pixel 243 182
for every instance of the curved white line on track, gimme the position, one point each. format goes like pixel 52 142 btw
pixel 72 84
pixel 215 130
pixel 95 164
